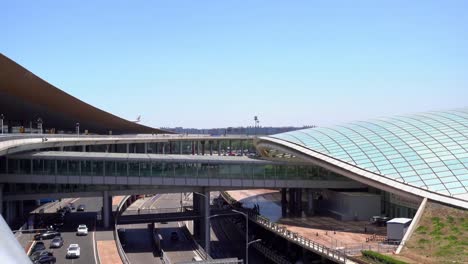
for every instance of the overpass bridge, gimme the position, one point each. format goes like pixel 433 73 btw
pixel 166 215
pixel 32 166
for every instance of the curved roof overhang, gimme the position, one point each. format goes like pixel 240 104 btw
pixel 24 97
pixel 356 173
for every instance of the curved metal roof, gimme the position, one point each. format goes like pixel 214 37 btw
pixel 24 97
pixel 427 150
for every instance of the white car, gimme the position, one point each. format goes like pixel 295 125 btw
pixel 82 230
pixel 73 251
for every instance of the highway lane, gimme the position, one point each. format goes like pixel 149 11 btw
pixel 72 220
pixel 138 241
pixel 139 246
pixel 177 250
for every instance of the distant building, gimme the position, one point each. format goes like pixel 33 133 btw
pixel 250 130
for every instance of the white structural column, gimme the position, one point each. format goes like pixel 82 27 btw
pixel 310 201
pixel 105 210
pixel 1 199
pixel 206 208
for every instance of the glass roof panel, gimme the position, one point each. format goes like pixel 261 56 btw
pixel 429 146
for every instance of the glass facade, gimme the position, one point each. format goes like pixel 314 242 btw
pixel 428 150
pixel 168 169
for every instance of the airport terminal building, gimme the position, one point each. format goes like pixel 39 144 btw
pixel 385 166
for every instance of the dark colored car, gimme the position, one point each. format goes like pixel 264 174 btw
pixel 174 236
pixel 46 259
pixel 38 247
pixel 72 206
pixel 56 242
pixel 81 207
pixel 47 235
pixel 34 256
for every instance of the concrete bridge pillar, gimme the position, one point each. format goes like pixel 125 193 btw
pixel 284 202
pixel 106 209
pixel 298 202
pixel 310 202
pixel 170 147
pixel 201 226
pixel 193 147
pixel 211 147
pixel 219 147
pixel 146 148
pixel 291 199
pixel 203 147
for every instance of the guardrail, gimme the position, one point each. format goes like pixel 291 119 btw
pixel 197 248
pixel 165 259
pixel 122 206
pixel 334 254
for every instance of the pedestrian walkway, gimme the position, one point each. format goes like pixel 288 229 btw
pixel 324 230
pixel 106 247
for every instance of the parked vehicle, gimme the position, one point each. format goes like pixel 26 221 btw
pixel 72 206
pixel 56 242
pixel 82 230
pixel 73 251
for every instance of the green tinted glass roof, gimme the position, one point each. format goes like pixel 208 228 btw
pixel 428 150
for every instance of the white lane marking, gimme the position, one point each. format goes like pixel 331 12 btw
pixel 94 243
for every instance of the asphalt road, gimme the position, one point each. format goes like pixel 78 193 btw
pixel 72 220
pixel 176 250
pixel 139 246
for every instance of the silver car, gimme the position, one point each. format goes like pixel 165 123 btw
pixel 56 242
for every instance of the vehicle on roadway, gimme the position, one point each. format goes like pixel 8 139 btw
pixel 34 256
pixel 46 259
pixel 82 230
pixel 39 246
pixel 81 207
pixel 56 242
pixel 72 206
pixel 47 235
pixel 73 251
pixel 174 236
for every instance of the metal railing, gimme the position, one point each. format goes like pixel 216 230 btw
pixel 164 258
pixel 120 209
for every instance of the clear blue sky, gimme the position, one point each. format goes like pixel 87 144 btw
pixel 218 63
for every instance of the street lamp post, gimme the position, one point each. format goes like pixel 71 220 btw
pixel 208 238
pixel 247 249
pixel 39 125
pixel 78 128
pixel 246 234
pixel 1 119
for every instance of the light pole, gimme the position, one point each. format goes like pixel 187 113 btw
pixel 208 238
pixel 247 249
pixel 246 234
pixel 1 118
pixel 78 128
pixel 39 125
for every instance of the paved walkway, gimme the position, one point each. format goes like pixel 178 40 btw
pixel 107 251
pixel 321 229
